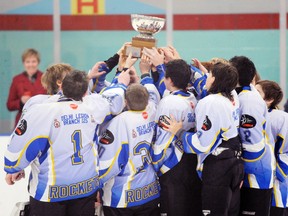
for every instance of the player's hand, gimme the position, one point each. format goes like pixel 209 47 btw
pixel 121 50
pixel 94 72
pixel 12 178
pixel 124 77
pixel 198 64
pixel 172 125
pixel 144 65
pixel 155 57
pixel 176 55
pixel 134 78
pixel 170 53
pixel 25 98
pixel 130 61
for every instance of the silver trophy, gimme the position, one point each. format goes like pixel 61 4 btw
pixel 147 26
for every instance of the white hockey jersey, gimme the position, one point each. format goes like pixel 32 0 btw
pixel 37 99
pixel 57 138
pixel 277 125
pixel 259 162
pixel 217 120
pixel 167 149
pixel 125 163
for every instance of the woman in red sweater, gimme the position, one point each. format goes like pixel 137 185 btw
pixel 26 84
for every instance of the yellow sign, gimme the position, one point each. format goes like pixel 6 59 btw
pixel 87 7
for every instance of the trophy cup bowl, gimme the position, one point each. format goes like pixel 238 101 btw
pixel 147 26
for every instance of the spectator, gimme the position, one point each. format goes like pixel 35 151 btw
pixel 26 84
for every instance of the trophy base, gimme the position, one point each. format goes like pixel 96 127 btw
pixel 143 42
pixel 138 44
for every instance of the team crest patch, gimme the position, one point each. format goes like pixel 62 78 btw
pixel 247 121
pixel 134 134
pixel 107 137
pixel 56 123
pixel 21 128
pixel 206 124
pixel 161 120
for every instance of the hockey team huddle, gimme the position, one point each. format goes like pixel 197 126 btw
pixel 182 139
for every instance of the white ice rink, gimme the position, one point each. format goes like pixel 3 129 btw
pixel 10 194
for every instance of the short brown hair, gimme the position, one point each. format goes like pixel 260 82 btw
pixel 54 73
pixel 217 59
pixel 137 97
pixel 30 52
pixel 272 91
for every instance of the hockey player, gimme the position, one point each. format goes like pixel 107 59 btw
pixel 257 154
pixel 57 140
pixel 277 126
pixel 180 184
pixel 216 143
pixel 130 182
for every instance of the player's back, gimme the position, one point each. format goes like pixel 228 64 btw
pixel 167 151
pixel 278 121
pixel 58 138
pixel 253 114
pixel 257 154
pixel 127 141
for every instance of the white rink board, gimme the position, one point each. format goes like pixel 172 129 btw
pixel 10 194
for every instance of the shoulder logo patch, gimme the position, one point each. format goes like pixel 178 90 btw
pixel 134 134
pixel 206 124
pixel 56 123
pixel 161 120
pixel 107 137
pixel 247 121
pixel 21 128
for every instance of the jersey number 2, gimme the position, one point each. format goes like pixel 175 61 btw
pixel 76 139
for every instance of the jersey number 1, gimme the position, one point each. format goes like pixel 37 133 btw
pixel 76 139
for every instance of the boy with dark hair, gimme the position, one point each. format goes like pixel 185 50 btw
pixel 177 170
pixel 178 71
pixel 246 69
pixel 257 154
pixel 131 185
pixel 76 85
